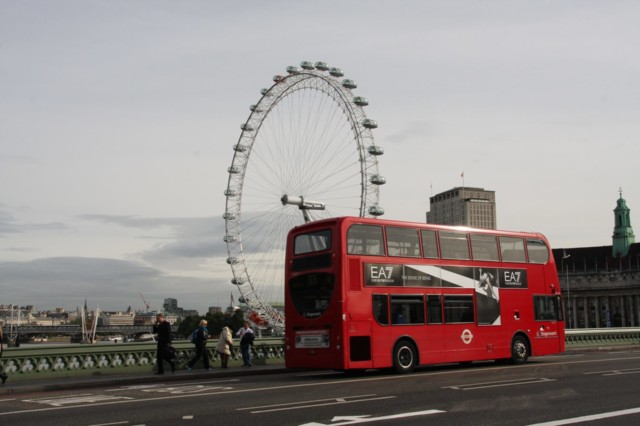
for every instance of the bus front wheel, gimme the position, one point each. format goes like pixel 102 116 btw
pixel 405 357
pixel 519 350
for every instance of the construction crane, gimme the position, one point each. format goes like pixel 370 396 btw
pixel 147 304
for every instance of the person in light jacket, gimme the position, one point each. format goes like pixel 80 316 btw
pixel 224 346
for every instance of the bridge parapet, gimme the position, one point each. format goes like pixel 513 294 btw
pixel 603 336
pixel 64 360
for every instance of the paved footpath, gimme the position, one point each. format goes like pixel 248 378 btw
pixel 29 385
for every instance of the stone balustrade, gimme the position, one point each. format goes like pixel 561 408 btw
pixel 602 336
pixel 64 360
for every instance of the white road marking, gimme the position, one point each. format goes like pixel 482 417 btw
pixel 320 403
pixel 77 399
pixel 514 382
pixel 350 420
pixel 590 418
pixel 615 372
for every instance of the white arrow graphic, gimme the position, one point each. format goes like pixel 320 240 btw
pixel 350 420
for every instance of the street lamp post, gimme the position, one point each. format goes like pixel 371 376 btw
pixel 566 256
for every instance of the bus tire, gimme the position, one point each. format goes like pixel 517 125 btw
pixel 405 357
pixel 519 350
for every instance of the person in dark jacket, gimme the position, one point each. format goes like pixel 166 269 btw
pixel 246 341
pixel 163 329
pixel 202 334
pixel 3 375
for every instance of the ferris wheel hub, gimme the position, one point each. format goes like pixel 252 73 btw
pixel 302 203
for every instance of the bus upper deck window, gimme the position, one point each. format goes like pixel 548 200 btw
pixel 453 245
pixel 484 247
pixel 403 242
pixel 512 249
pixel 365 239
pixel 429 244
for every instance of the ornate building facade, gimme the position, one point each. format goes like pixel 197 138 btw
pixel 601 285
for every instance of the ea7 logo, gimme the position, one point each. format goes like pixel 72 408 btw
pixel 381 272
pixel 512 276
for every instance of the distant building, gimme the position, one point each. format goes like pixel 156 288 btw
pixel 601 285
pixel 170 306
pixel 473 207
pixel 214 309
pixel 117 318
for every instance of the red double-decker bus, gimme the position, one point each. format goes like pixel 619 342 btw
pixel 368 293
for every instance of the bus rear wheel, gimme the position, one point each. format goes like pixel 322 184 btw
pixel 519 350
pixel 405 357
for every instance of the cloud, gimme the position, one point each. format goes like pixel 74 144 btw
pixel 10 225
pixel 109 283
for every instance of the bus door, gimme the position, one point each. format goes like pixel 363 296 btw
pixel 433 349
pixel 463 340
pixel 381 332
pixel 549 335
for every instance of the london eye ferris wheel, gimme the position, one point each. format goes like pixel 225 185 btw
pixel 305 152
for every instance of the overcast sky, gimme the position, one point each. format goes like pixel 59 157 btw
pixel 117 120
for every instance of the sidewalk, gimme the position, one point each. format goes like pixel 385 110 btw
pixel 29 385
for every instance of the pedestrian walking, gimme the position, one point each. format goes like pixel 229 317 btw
pixel 225 342
pixel 163 329
pixel 200 337
pixel 3 375
pixel 246 341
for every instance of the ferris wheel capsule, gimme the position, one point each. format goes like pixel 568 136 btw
pixel 369 123
pixel 336 72
pixel 376 211
pixel 246 126
pixel 349 84
pixel 277 78
pixel 378 180
pixel 307 65
pixel 360 101
pixel 375 150
pixel 322 66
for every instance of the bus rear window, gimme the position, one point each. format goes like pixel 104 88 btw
pixel 311 293
pixel 311 242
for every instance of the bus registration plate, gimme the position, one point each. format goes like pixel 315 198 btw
pixel 312 339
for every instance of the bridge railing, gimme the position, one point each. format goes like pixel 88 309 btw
pixel 66 360
pixel 602 336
